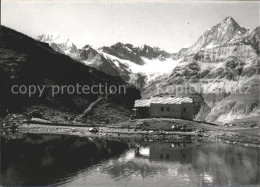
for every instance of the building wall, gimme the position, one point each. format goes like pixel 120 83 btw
pixel 179 111
pixel 174 110
pixel 187 111
pixel 143 112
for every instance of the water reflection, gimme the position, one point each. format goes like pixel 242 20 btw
pixel 42 160
pixel 163 164
pixel 171 152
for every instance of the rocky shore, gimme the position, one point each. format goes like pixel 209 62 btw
pixel 167 130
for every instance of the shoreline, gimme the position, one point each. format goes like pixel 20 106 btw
pixel 201 132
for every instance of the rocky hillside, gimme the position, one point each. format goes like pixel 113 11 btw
pixel 25 61
pixel 223 65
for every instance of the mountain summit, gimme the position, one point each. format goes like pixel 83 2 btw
pixel 220 34
pixel 60 44
pixel 230 20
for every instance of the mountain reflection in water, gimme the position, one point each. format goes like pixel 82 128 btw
pixel 44 159
pixel 74 161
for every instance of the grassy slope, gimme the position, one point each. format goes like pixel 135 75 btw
pixel 24 60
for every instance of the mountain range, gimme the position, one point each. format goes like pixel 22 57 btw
pixel 220 70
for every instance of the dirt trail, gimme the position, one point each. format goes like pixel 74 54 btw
pixel 89 109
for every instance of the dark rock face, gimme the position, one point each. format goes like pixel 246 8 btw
pixel 25 61
pixel 151 52
pixel 134 54
pixel 87 53
pixel 123 51
pixel 93 58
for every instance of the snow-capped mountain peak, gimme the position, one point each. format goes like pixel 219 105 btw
pixel 222 33
pixel 54 38
pixel 229 20
pixel 229 25
pixel 59 43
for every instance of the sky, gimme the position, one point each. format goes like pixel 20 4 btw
pixel 170 25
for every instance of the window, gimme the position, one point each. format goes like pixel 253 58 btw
pixel 168 109
pixel 161 156
pixel 184 109
pixel 162 108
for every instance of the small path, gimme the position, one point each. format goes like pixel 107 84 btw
pixel 89 109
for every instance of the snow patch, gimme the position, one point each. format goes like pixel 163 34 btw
pixel 210 46
pixel 151 68
pixel 116 63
